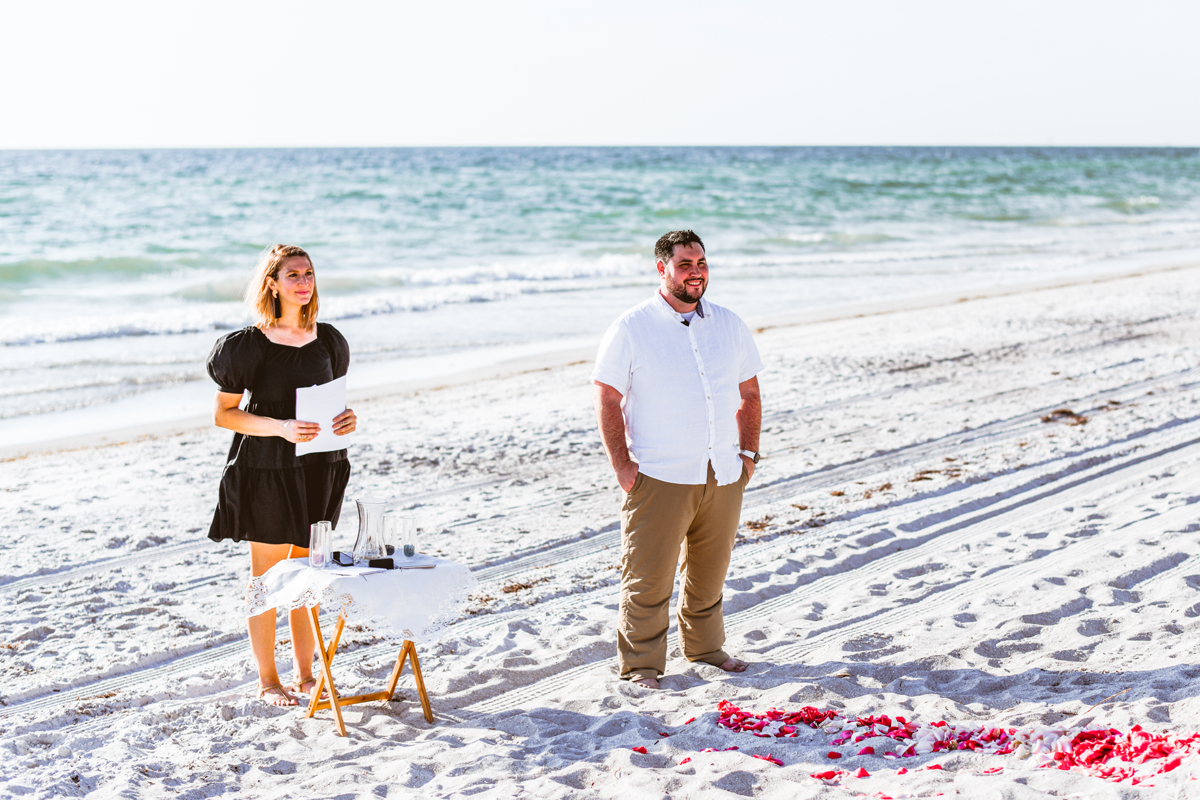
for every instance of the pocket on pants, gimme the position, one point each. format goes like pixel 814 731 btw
pixel 637 483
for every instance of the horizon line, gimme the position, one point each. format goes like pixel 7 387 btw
pixel 593 147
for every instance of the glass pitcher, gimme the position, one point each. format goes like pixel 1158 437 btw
pixel 370 542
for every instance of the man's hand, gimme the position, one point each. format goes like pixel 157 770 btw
pixel 749 421
pixel 612 431
pixel 749 462
pixel 627 476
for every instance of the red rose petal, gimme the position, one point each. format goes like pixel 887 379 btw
pixel 833 754
pixel 861 773
pixel 686 760
pixel 867 751
pixel 641 750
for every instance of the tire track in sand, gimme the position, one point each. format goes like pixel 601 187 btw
pixel 151 671
pixel 1025 508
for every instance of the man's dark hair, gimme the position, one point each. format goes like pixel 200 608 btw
pixel 664 248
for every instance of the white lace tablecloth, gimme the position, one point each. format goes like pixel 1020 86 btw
pixel 414 604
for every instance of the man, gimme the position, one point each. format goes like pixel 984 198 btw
pixel 679 411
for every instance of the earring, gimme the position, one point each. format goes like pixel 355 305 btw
pixel 278 310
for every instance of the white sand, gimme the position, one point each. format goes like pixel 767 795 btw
pixel 918 541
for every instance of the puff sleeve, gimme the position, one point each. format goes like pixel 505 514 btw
pixel 235 360
pixel 339 349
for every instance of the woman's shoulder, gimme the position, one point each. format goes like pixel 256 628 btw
pixel 244 341
pixel 332 336
pixel 235 357
pixel 325 329
pixel 248 335
pixel 336 346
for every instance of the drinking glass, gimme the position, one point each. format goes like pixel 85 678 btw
pixel 320 544
pixel 391 532
pixel 401 534
pixel 408 530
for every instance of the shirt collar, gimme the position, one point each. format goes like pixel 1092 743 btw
pixel 666 307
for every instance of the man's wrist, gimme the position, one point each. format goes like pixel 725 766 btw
pixel 752 455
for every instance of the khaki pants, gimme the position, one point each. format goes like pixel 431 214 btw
pixel 656 518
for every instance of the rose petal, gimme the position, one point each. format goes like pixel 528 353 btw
pixel 867 751
pixel 861 773
pixel 767 757
pixel 833 754
pixel 686 760
pixel 641 750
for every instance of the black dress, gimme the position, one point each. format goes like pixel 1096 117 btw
pixel 267 494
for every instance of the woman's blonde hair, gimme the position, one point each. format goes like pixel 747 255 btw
pixel 258 292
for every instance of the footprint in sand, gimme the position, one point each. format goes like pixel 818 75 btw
pixel 1092 627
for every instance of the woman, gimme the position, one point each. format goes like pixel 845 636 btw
pixel 268 495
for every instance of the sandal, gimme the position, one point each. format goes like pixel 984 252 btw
pixel 299 684
pixel 287 699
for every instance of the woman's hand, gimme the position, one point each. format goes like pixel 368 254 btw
pixel 345 422
pixel 296 431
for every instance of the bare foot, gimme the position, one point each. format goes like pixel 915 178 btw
pixel 649 683
pixel 276 695
pixel 305 687
pixel 734 665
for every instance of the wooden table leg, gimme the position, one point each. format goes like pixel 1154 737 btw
pixel 329 651
pixel 326 672
pixel 408 652
pixel 391 689
pixel 416 668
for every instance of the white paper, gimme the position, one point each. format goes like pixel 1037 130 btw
pixel 320 404
pixel 419 561
pixel 350 572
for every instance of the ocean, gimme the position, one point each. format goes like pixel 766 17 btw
pixel 118 269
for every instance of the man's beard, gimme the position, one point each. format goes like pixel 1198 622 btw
pixel 680 292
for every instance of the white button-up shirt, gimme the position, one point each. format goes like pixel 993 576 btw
pixel 679 387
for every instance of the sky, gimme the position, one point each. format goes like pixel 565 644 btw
pixel 130 74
